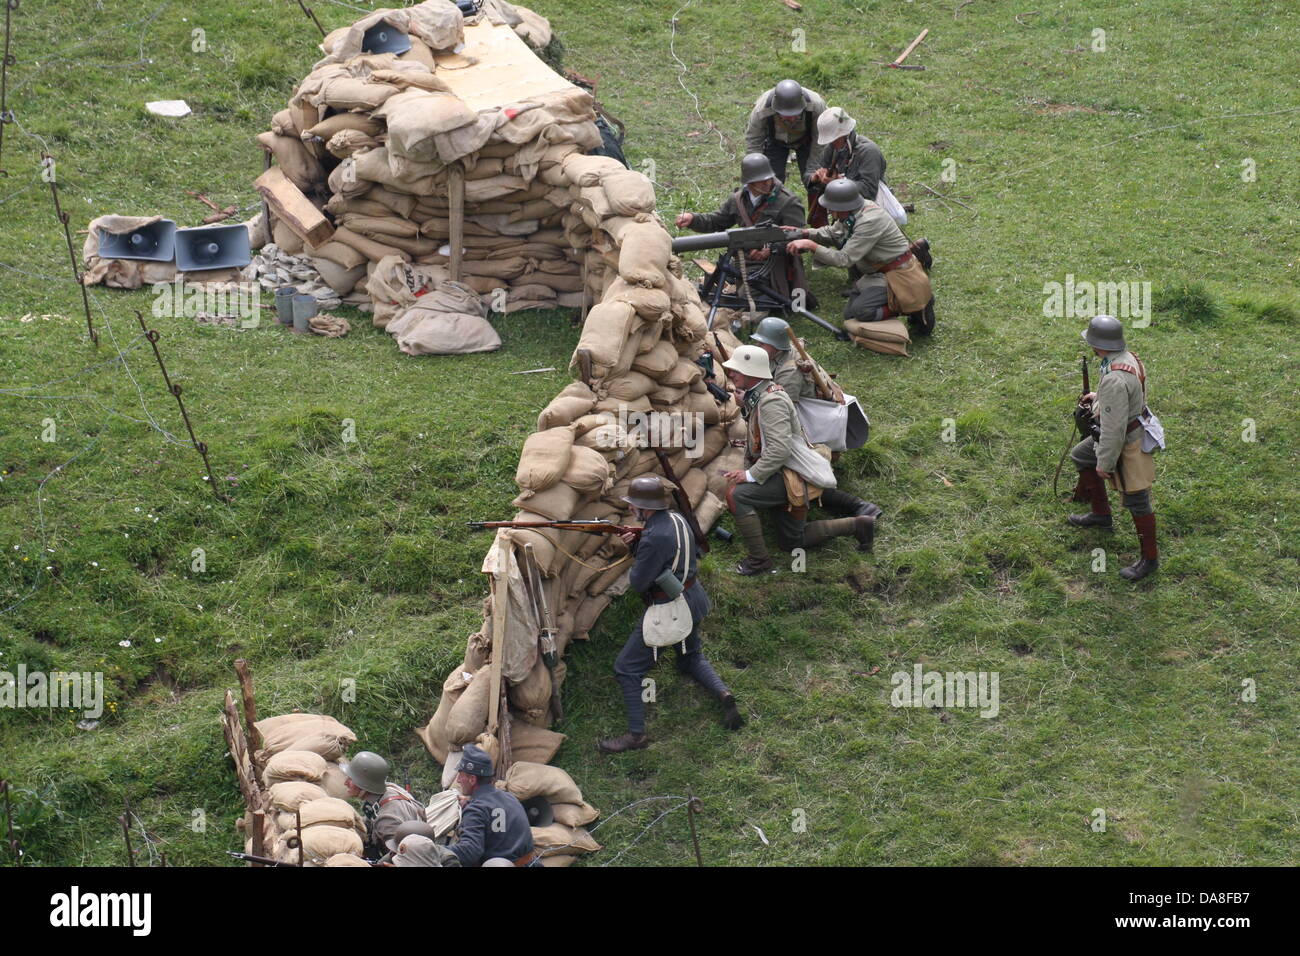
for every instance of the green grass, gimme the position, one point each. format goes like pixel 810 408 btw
pixel 349 561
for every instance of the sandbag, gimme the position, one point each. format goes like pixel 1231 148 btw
pixel 558 837
pixel 604 336
pixel 588 471
pixel 291 794
pixel 300 167
pixel 889 337
pixel 321 843
pixel 557 503
pixel 629 192
pixel 643 259
pixel 434 734
pixel 330 811
pixel 658 361
pixel 544 459
pixel 533 744
pixel 534 691
pixel 468 716
pixel 429 332
pixel 335 782
pixel 527 780
pixel 294 765
pixel 582 170
pixel 574 401
pixel 346 859
pixel 574 814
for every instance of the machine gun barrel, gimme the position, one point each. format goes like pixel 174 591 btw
pixel 754 237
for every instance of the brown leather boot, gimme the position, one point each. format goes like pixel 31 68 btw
pixel 863 527
pixel 750 528
pixel 618 745
pixel 1150 560
pixel 1099 517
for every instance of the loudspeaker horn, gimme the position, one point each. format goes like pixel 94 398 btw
pixel 155 242
pixel 384 38
pixel 212 247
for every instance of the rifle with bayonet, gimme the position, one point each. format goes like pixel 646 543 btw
pixel 585 525
pixel 1086 425
pixel 262 860
pixel 736 243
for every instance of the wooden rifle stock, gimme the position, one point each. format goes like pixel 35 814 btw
pixel 826 390
pixel 683 502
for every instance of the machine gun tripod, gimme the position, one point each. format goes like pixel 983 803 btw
pixel 735 243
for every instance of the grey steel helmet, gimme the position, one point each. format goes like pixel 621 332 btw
pixel 754 168
pixel 787 98
pixel 368 771
pixel 842 195
pixel 410 828
pixel 1104 332
pixel 773 331
pixel 649 492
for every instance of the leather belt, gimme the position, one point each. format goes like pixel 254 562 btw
pixel 526 859
pixel 896 263
pixel 1135 423
pixel 663 595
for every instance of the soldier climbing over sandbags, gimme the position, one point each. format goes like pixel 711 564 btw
pixel 864 237
pixel 784 118
pixel 665 575
pixel 785 474
pixel 493 823
pixel 384 805
pixel 793 374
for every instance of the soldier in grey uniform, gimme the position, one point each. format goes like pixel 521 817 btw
pixel 656 551
pixel 773 337
pixel 866 238
pixel 493 823
pixel 843 155
pixel 1116 454
pixel 384 805
pixel 784 118
pixel 761 197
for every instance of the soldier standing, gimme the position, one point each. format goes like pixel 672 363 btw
pixel 773 429
pixel 846 155
pixel 493 823
pixel 666 544
pixel 893 281
pixel 784 118
pixel 384 805
pixel 1116 454
pixel 789 371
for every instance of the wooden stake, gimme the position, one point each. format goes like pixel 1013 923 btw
pixel 500 619
pixel 911 46
pixel 456 217
pixel 259 832
pixel 250 706
pixel 126 832
pixel 297 822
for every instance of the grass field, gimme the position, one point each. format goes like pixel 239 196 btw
pixel 343 561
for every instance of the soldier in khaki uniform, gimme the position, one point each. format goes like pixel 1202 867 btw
pixel 773 429
pixel 893 280
pixel 761 197
pixel 1116 455
pixel 784 118
pixel 385 806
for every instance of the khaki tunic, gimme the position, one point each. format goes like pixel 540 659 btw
pixel 756 130
pixel 780 205
pixel 394 808
pixel 873 239
pixel 773 423
pixel 1120 399
pixel 797 384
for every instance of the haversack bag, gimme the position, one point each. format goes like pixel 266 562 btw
pixel 670 622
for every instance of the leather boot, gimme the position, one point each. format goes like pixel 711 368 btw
pixel 847 505
pixel 862 527
pixel 731 718
pixel 1099 516
pixel 1150 560
pixel 921 249
pixel 618 745
pixel 923 321
pixel 758 561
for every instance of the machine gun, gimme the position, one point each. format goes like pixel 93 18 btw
pixel 729 268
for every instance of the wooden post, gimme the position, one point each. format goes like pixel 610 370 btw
pixel 456 217
pixel 297 823
pixel 126 831
pixel 250 706
pixel 500 618
pixel 259 832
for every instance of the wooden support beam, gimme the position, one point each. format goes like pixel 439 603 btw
pixel 250 707
pixel 456 217
pixel 292 208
